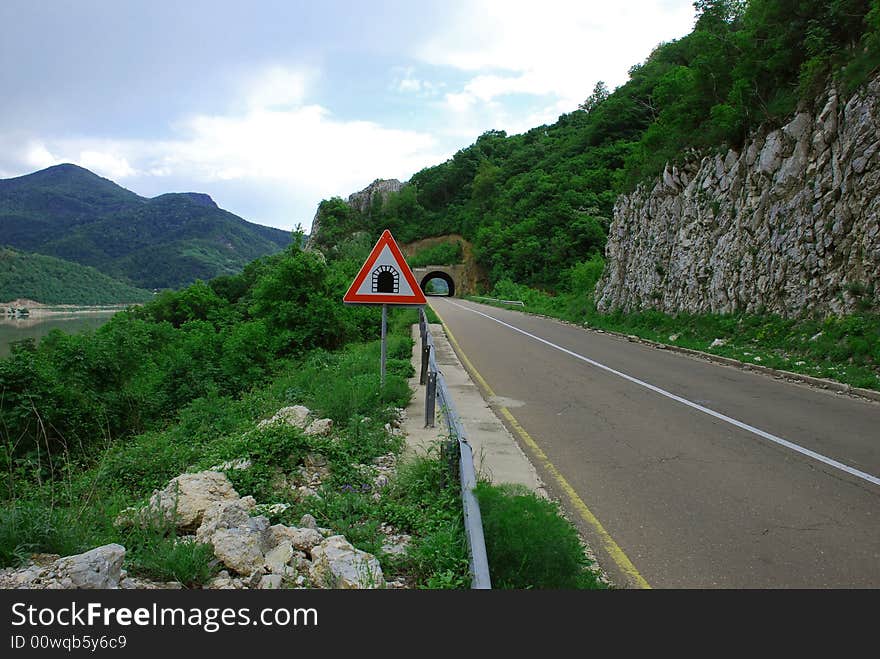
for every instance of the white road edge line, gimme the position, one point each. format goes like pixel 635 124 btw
pixel 684 401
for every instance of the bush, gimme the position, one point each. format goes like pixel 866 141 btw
pixel 529 544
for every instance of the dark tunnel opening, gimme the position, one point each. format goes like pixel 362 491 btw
pixel 438 283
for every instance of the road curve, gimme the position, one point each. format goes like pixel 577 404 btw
pixel 671 466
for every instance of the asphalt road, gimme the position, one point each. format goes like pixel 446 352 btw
pixel 687 492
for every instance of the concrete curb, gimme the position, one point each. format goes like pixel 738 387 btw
pixel 821 383
pixel 498 456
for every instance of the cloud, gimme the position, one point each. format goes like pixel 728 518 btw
pixel 406 82
pixel 305 146
pixel 36 155
pixel 108 164
pixel 554 51
pixel 276 88
pixel 274 142
pixel 409 85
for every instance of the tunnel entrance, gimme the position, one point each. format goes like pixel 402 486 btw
pixel 386 280
pixel 438 283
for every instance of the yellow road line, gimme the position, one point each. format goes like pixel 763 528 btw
pixel 612 548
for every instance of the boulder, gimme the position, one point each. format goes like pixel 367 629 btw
pixel 241 548
pixel 222 515
pixel 239 540
pixel 185 499
pixel 270 582
pixel 320 428
pixel 277 559
pixel 296 416
pixel 98 568
pixel 304 539
pixel 337 564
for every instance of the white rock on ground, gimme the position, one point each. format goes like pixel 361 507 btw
pixel 239 540
pixel 98 568
pixel 320 428
pixel 277 559
pixel 304 539
pixel 308 522
pixel 337 564
pixel 222 515
pixel 297 416
pixel 233 465
pixel 183 501
pixel 241 548
pixel 270 582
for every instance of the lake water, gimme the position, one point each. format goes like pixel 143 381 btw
pixel 36 327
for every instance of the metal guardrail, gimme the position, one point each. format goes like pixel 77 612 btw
pixel 494 299
pixel 435 389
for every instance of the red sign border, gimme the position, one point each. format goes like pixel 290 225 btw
pixel 352 297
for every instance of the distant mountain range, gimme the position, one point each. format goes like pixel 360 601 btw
pixel 168 241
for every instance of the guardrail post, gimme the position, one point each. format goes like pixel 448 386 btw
pixel 430 399
pixel 426 357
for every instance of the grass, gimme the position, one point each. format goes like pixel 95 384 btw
pixel 158 554
pixel 841 348
pixel 530 544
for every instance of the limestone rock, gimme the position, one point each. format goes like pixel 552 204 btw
pixel 185 499
pixel 337 564
pixel 233 465
pixel 782 226
pixel 222 515
pixel 308 522
pixel 279 557
pixel 98 568
pixel 296 416
pixel 303 539
pixel 320 428
pixel 223 581
pixel 363 200
pixel 270 582
pixel 241 548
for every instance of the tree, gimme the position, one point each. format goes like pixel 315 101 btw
pixel 600 93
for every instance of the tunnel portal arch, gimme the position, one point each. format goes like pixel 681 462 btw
pixel 439 274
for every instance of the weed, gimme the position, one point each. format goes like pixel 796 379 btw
pixel 529 543
pixel 157 553
pixel 28 527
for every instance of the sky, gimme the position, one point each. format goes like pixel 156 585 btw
pixel 271 106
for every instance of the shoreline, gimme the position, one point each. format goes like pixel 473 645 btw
pixel 41 310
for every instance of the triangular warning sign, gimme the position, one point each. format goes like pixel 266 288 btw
pixel 385 278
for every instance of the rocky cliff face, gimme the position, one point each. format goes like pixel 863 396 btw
pixel 790 224
pixel 361 201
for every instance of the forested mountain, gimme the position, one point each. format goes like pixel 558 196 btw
pixel 55 281
pixel 538 203
pixel 165 242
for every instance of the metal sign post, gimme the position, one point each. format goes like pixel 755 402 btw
pixel 385 278
pixel 384 343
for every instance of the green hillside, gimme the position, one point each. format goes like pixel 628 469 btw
pixel 537 203
pixel 53 281
pixel 165 242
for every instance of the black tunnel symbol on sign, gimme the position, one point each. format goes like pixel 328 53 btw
pixel 386 280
